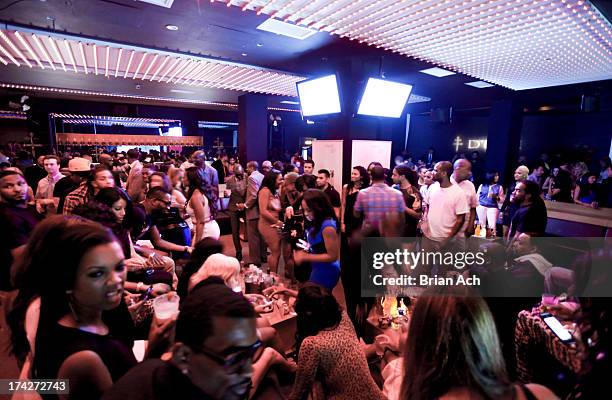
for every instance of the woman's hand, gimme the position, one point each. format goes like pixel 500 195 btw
pixel 299 256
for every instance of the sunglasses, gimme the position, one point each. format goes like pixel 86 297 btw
pixel 234 357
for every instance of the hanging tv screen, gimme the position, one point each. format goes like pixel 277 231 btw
pixel 319 96
pixel 382 98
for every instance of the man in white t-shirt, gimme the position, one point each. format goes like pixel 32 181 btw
pixel 446 209
pixel 461 175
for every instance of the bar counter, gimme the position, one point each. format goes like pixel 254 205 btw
pixel 567 219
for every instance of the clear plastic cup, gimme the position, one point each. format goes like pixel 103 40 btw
pixel 166 306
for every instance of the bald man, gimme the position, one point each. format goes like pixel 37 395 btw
pixel 462 172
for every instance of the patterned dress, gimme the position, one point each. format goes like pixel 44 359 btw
pixel 335 359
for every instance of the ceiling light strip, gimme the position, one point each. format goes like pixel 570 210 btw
pixel 304 21
pixel 162 65
pixel 295 15
pixel 43 50
pixel 231 75
pixel 206 73
pixel 57 52
pixel 417 12
pixel 15 49
pixel 170 68
pixel 144 56
pixel 106 61
pixel 339 25
pixel 245 5
pixel 211 79
pixel 149 67
pixel 118 62
pixel 267 5
pixel 180 68
pixel 252 75
pixel 29 48
pixel 95 57
pixel 471 24
pixel 284 9
pixel 82 51
pixel 116 95
pixel 322 23
pixel 203 72
pixel 127 69
pixel 202 65
pixel 239 78
pixel 3 61
pixel 186 71
pixel 9 56
pixel 383 22
pixel 71 56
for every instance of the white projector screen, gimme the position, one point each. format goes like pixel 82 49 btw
pixel 319 96
pixel 365 151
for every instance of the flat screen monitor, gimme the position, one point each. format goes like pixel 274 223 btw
pixel 383 98
pixel 319 96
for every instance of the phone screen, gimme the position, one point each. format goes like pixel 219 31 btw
pixel 554 324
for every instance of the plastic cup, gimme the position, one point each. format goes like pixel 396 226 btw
pixel 166 306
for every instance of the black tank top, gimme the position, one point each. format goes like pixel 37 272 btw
pixel 351 222
pixel 55 343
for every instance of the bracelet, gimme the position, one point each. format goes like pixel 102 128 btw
pixel 139 286
pixel 186 249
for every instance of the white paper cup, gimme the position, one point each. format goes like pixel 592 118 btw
pixel 166 306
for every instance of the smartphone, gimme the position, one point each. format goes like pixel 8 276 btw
pixel 553 323
pixel 147 295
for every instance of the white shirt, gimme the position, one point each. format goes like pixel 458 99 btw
pixel 471 198
pixel 444 204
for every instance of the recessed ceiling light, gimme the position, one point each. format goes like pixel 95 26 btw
pixel 259 44
pixel 172 27
pixel 285 29
pixel 437 72
pixel 244 54
pixel 479 84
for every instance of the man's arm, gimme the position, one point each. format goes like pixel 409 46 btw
pixel 162 244
pixel 457 226
pixel 251 197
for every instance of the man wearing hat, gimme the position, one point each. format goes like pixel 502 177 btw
pixel 79 169
pixel 99 178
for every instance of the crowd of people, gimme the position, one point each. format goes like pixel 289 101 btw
pixel 86 246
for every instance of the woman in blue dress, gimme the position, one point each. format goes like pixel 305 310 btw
pixel 323 248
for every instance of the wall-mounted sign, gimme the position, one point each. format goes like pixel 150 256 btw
pixel 472 144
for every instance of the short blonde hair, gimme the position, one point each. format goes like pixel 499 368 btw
pixel 227 268
pixel 524 171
